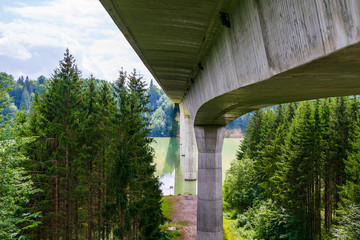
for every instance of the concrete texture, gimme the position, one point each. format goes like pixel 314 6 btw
pixel 209 206
pixel 276 52
pixel 171 37
pixel 289 50
pixel 187 146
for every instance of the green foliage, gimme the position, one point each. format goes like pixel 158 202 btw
pixel 303 160
pixel 28 221
pixel 24 91
pixel 163 113
pixel 240 122
pixel 230 229
pixel 6 83
pixel 92 158
pixel 16 186
pixel 267 220
pixel 241 174
pixel 134 209
pixel 166 207
pixel 349 227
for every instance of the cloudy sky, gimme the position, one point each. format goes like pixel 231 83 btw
pixel 35 33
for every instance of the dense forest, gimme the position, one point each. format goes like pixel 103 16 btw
pixel 296 175
pixel 163 115
pixel 77 163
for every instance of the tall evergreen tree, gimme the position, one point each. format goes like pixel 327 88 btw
pixel 59 111
pixel 341 134
pixel 134 195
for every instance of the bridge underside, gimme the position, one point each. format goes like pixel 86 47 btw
pixel 337 74
pixel 223 58
pixel 171 37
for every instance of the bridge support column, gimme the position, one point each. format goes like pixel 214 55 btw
pixel 187 146
pixel 209 140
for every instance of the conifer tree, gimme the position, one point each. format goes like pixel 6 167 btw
pixel 327 174
pixel 350 192
pixel 25 100
pixel 134 195
pixel 59 117
pixel 107 141
pixel 252 141
pixel 341 133
pixel 6 83
pixel 300 155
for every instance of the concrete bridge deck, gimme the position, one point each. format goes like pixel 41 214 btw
pixel 223 58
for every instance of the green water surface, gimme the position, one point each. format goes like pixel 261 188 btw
pixel 170 169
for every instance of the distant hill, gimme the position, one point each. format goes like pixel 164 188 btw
pixel 163 118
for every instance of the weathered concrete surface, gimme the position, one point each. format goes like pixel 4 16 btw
pixel 187 146
pixel 208 66
pixel 276 52
pixel 337 74
pixel 209 208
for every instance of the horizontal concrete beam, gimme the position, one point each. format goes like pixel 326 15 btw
pixel 276 52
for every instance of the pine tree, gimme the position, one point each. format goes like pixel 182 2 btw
pixel 134 194
pixel 271 156
pixel 59 117
pixel 88 161
pixel 350 192
pixel 341 133
pixel 252 142
pixel 301 175
pixel 25 100
pixel 6 83
pixel 327 174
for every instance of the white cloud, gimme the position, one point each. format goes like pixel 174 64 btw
pixel 10 46
pixel 81 13
pixel 81 25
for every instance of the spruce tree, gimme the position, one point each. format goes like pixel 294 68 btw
pixel 350 192
pixel 59 116
pixel 6 84
pixel 341 133
pixel 134 194
pixel 299 154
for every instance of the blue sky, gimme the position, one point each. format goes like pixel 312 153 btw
pixel 35 33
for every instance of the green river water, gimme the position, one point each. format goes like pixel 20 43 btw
pixel 170 169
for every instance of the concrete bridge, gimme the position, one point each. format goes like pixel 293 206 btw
pixel 223 58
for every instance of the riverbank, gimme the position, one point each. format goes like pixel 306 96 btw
pixel 182 212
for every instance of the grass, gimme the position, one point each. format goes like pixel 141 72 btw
pixel 166 207
pixel 230 232
pixel 168 211
pixel 229 226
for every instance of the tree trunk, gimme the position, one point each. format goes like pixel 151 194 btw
pixel 68 189
pixel 76 214
pixel 318 208
pixel 56 195
pixel 90 202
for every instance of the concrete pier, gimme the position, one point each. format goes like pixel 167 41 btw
pixel 209 140
pixel 187 146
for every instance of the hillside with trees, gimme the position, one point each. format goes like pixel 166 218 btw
pixel 296 175
pixel 164 114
